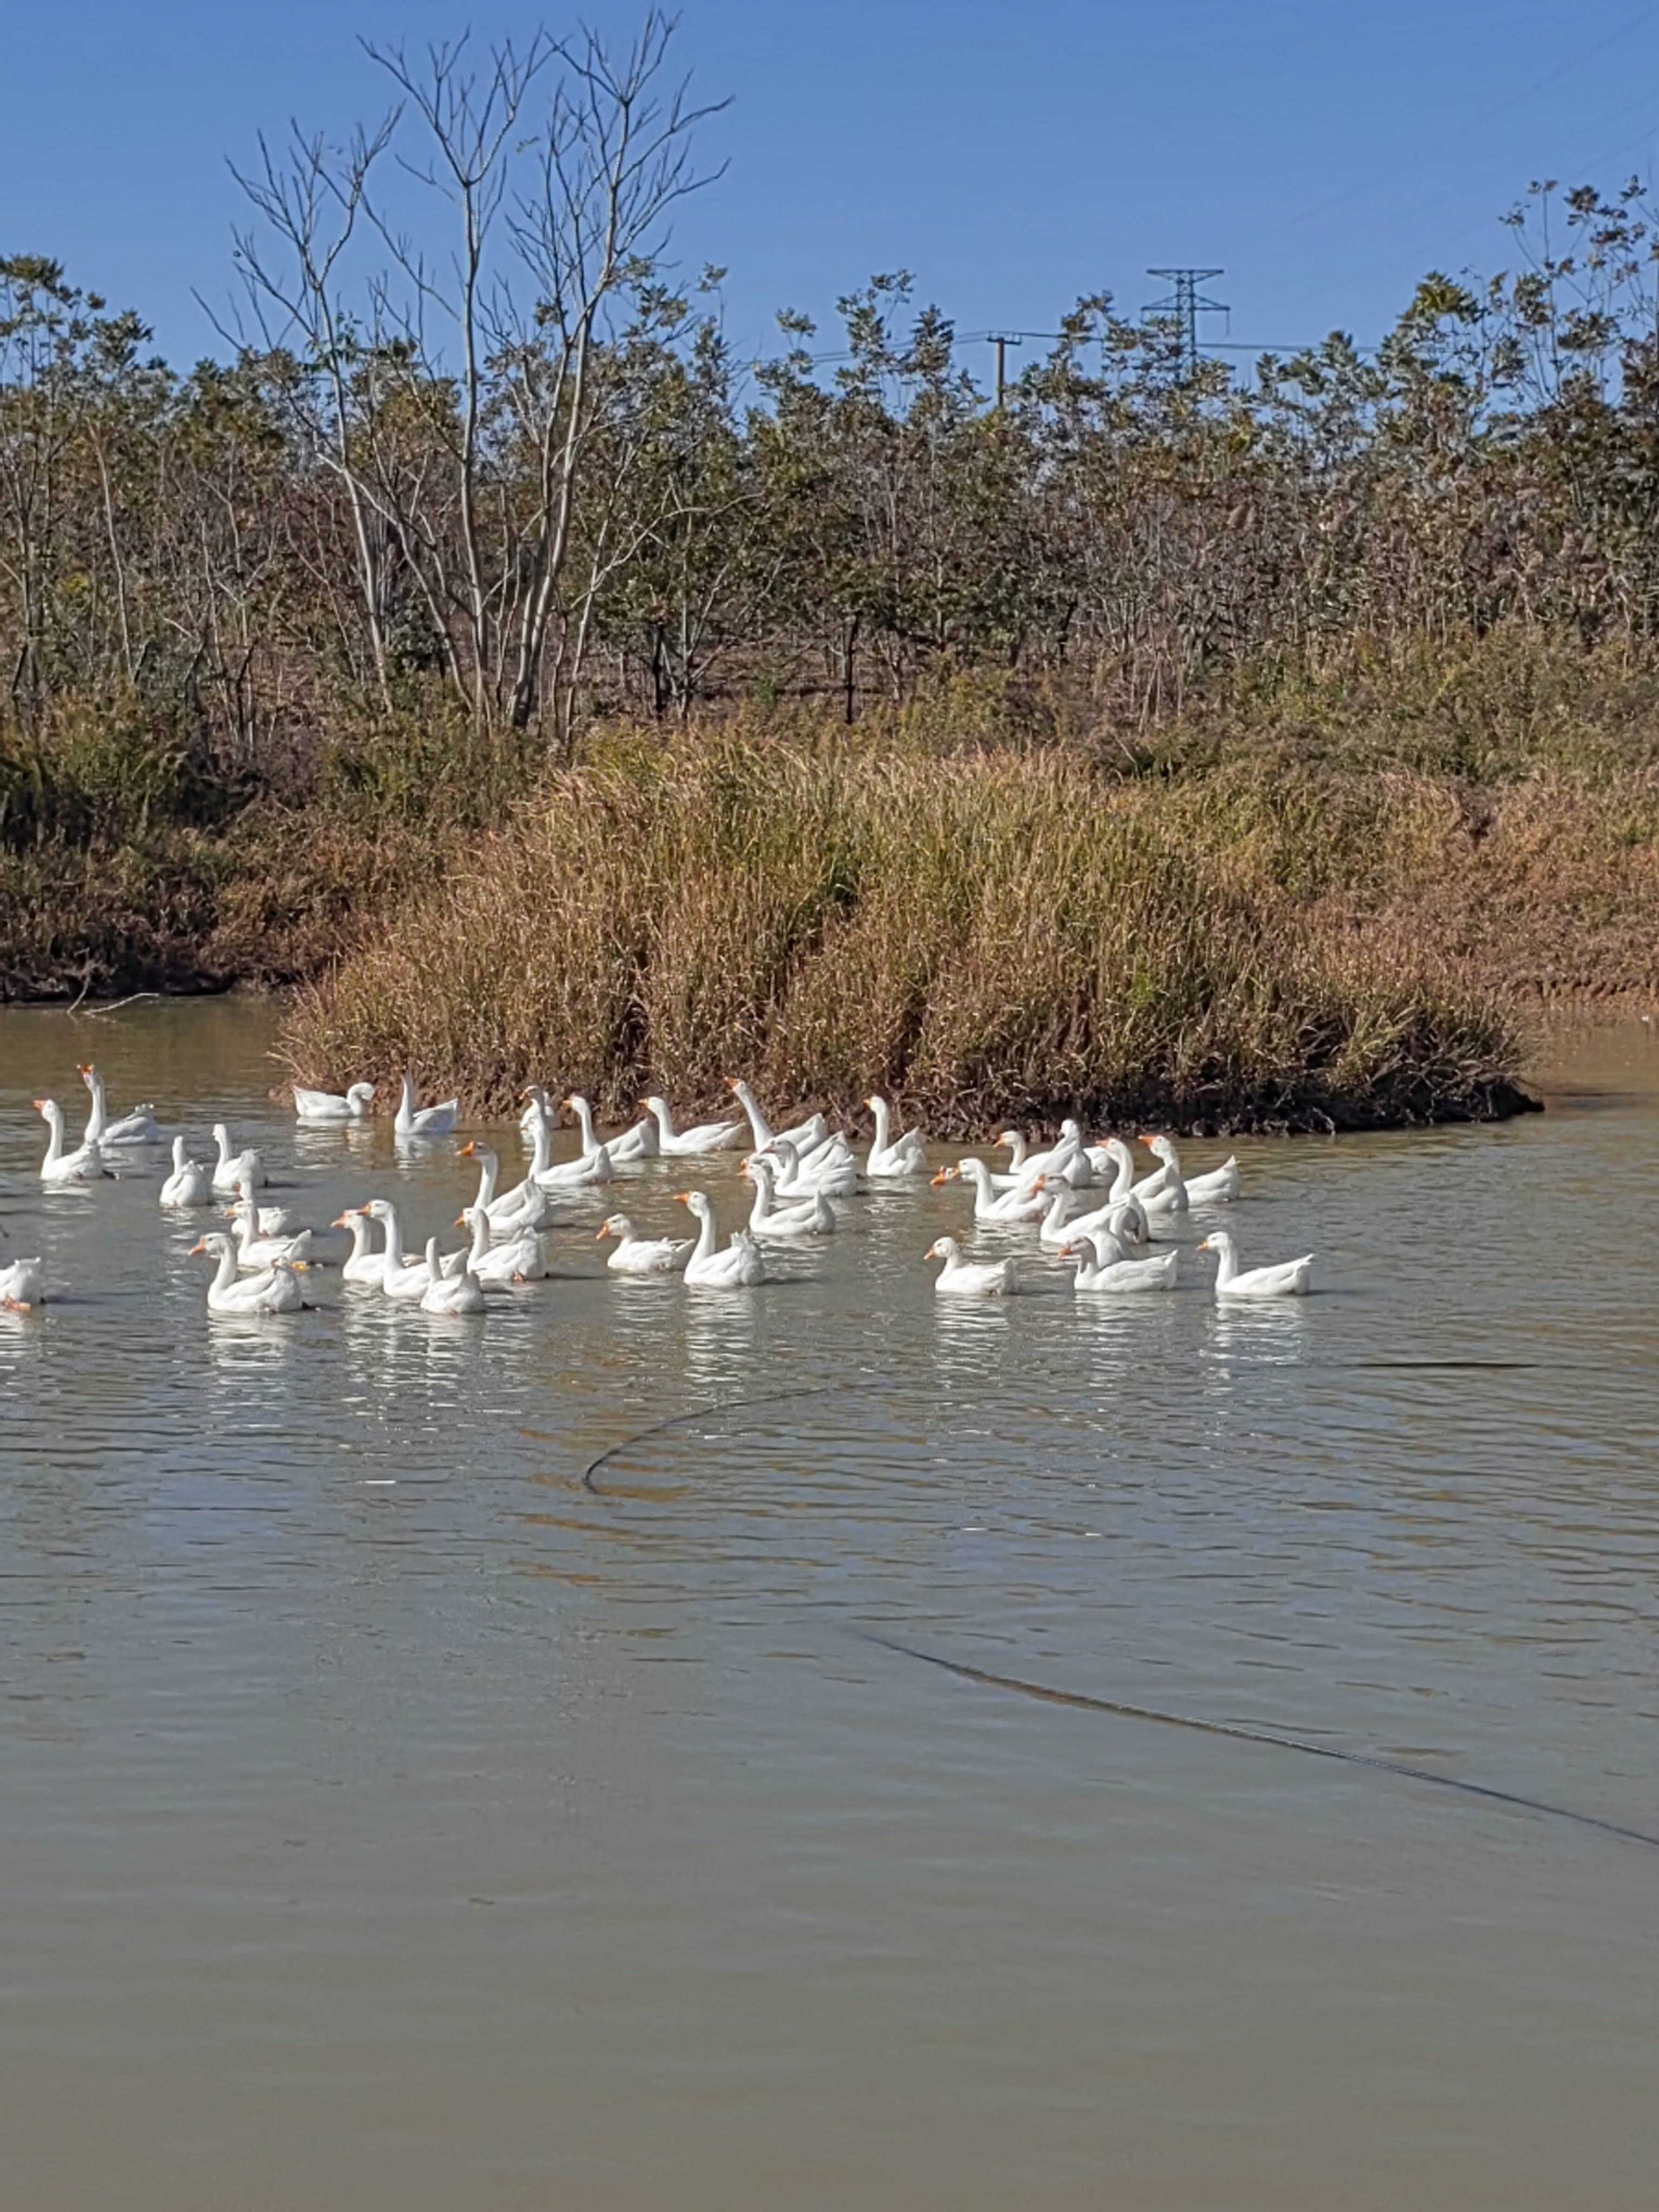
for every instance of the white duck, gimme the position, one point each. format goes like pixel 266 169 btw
pixel 740 1266
pixel 84 1165
pixel 231 1168
pixel 990 1205
pixel 889 1155
pixel 1218 1188
pixel 23 1285
pixel 705 1136
pixel 1111 1269
pixel 137 1127
pixel 1065 1159
pixel 811 1217
pixel 423 1121
pixel 331 1108
pixel 189 1184
pixel 1289 1280
pixel 363 1263
pixel 967 1278
pixel 255 1252
pixel 519 1256
pixel 643 1255
pixel 401 1278
pixel 457 1293
pixel 1171 1195
pixel 276 1291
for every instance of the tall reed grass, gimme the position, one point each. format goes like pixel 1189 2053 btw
pixel 989 935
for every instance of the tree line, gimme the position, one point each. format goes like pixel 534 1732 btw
pixel 490 452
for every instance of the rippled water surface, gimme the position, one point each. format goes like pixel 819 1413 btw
pixel 391 1818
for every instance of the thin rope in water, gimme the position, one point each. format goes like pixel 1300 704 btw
pixel 1079 1700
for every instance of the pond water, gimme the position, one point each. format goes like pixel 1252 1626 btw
pixel 390 1817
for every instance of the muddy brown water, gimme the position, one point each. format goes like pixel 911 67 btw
pixel 390 1819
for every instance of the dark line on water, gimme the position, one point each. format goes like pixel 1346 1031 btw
pixel 695 1413
pixel 1078 1699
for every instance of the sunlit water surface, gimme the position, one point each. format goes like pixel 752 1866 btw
pixel 390 1819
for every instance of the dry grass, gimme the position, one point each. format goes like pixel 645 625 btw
pixel 990 935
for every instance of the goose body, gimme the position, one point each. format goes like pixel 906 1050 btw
pixel 705 1136
pixel 363 1263
pixel 968 1279
pixel 738 1268
pixel 811 1217
pixel 1103 1266
pixel 403 1279
pixel 231 1168
pixel 643 1255
pixel 1219 1187
pixel 519 1256
pixel 330 1108
pixel 189 1185
pixel 276 1290
pixel 460 1293
pixel 629 1147
pixel 830 1170
pixel 23 1285
pixel 1289 1278
pixel 989 1204
pixel 526 1206
pixel 84 1165
pixel 137 1127
pixel 890 1156
pixel 254 1252
pixel 423 1121
pixel 805 1137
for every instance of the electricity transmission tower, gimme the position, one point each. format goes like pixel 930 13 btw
pixel 1183 307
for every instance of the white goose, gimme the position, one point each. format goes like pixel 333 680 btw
pixel 84 1165
pixel 526 1206
pixel 137 1127
pixel 331 1108
pixel 572 1175
pixel 457 1293
pixel 537 1109
pixel 276 1291
pixel 889 1155
pixel 255 1252
pixel 805 1137
pixel 233 1167
pixel 23 1285
pixel 401 1278
pixel 363 1263
pixel 1289 1280
pixel 1111 1269
pixel 631 1144
pixel 740 1267
pixel 643 1255
pixel 519 1256
pixel 423 1121
pixel 967 1278
pixel 189 1185
pixel 705 1136
pixel 1218 1188
pixel 1066 1159
pixel 811 1217
pixel 990 1205
pixel 831 1170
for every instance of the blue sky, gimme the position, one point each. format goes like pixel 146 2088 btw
pixel 1324 155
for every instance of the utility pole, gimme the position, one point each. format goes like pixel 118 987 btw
pixel 1184 306
pixel 1002 340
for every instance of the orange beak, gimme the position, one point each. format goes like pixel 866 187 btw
pixel 466 1152
pixel 341 1221
pixel 38 1104
pixel 198 1246
pixel 601 1233
pixel 1205 1245
pixel 1068 1251
pixel 682 1198
pixel 80 1070
pixel 945 1175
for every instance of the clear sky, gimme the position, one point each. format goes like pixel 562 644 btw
pixel 1324 154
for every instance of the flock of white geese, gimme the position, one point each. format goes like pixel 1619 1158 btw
pixel 1084 1201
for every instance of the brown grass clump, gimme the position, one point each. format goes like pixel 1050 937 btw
pixel 990 935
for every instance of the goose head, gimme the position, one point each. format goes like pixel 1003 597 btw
pixel 614 1224
pixel 942 1247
